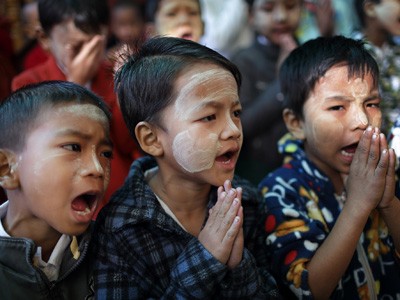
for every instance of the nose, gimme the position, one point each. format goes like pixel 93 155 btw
pixel 359 118
pixel 91 165
pixel 280 14
pixel 183 18
pixel 232 129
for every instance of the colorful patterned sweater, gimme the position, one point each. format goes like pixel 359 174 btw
pixel 301 209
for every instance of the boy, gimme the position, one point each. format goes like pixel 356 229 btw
pixel 274 24
pixel 54 166
pixel 379 21
pixel 74 32
pixel 332 237
pixel 169 232
pixel 176 18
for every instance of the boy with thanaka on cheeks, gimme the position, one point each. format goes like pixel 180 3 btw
pixel 55 154
pixel 182 226
pixel 332 219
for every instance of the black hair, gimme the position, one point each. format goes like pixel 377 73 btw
pixel 145 83
pixel 359 8
pixel 306 64
pixel 151 8
pixel 129 4
pixel 88 15
pixel 21 110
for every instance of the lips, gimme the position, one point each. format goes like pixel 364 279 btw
pixel 349 150
pixel 85 204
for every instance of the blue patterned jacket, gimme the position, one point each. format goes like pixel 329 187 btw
pixel 301 209
pixel 142 253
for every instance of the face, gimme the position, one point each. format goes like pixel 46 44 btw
pixel 276 18
pixel 388 13
pixel 179 18
pixel 126 24
pixel 335 116
pixel 31 20
pixel 66 42
pixel 64 169
pixel 205 140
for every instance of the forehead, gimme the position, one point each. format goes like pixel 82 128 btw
pixel 169 4
pixel 67 32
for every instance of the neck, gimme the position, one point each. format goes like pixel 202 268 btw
pixel 186 199
pixel 375 34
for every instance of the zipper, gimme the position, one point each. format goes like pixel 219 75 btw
pixel 362 257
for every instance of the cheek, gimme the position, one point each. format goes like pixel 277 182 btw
pixel 325 130
pixel 195 155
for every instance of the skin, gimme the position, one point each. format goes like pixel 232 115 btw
pixel 179 18
pixel 77 53
pixel 388 14
pixel 335 116
pixel 66 155
pixel 211 122
pixel 337 112
pixel 276 19
pixel 127 24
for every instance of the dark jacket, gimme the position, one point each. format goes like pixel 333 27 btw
pixel 20 279
pixel 142 253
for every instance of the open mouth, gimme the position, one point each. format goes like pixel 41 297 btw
pixel 349 150
pixel 226 157
pixel 84 204
pixel 187 36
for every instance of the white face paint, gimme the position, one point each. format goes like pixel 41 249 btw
pixel 359 90
pixel 213 93
pixel 195 147
pixel 195 155
pixel 85 110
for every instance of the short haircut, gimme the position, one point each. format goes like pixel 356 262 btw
pixel 145 83
pixel 306 64
pixel 88 15
pixel 22 109
pixel 151 8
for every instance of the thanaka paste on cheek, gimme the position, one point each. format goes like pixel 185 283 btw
pixel 359 90
pixel 195 155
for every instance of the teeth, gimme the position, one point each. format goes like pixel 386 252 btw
pixel 347 153
pixel 85 212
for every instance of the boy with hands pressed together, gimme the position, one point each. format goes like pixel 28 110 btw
pixel 331 210
pixel 182 226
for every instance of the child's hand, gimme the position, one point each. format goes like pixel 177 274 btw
pixel 82 65
pixel 223 226
pixel 367 178
pixel 388 194
pixel 238 245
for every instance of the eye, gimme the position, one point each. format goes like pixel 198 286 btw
pixel 336 107
pixel 237 113
pixel 208 118
pixel 108 154
pixel 374 104
pixel 72 147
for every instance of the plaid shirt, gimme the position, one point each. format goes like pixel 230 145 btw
pixel 143 253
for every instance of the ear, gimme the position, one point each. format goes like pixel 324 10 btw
pixel 43 39
pixel 294 124
pixel 8 176
pixel 369 9
pixel 146 135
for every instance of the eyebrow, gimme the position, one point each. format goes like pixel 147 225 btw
pixel 371 96
pixel 68 132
